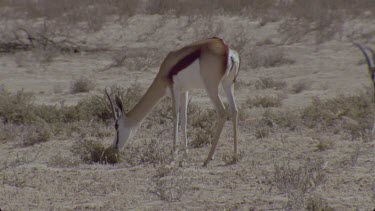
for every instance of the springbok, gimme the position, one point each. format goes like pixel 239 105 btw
pixel 203 64
pixel 371 66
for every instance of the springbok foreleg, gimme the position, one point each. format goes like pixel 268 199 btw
pixel 221 119
pixel 228 87
pixel 183 112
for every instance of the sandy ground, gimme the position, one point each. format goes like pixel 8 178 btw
pixel 330 68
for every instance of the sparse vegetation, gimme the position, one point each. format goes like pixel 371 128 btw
pixel 152 151
pixel 83 84
pixel 37 133
pixel 297 181
pixel 264 101
pixel 300 86
pixel 317 203
pixel 203 122
pixel 169 186
pixel 326 113
pixel 92 151
pixel 270 83
pixel 268 58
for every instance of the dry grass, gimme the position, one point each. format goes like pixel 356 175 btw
pixel 93 151
pixel 297 181
pixel 300 86
pixel 355 112
pixel 270 83
pixel 36 133
pixel 264 101
pixel 169 184
pixel 268 57
pixel 152 151
pixel 83 84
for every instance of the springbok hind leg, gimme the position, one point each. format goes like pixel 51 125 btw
pixel 183 113
pixel 228 87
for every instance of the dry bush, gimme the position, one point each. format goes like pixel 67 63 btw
pixel 317 203
pixel 324 19
pixel 63 161
pixel 91 12
pixel 36 133
pixel 268 57
pixel 297 181
pixel 15 108
pixel 19 108
pixel 83 84
pixel 8 132
pixel 270 83
pixel 152 151
pixel 285 119
pixel 229 158
pixel 264 101
pixel 300 86
pixel 169 184
pixel 93 151
pixel 203 122
pixel 324 144
pixel 355 113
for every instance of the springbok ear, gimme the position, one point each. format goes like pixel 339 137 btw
pixel 119 104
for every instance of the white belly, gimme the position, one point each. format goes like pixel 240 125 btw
pixel 189 78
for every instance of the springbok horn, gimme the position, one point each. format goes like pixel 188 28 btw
pixel 373 55
pixel 365 54
pixel 112 105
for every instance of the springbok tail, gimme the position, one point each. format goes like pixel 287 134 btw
pixel 234 60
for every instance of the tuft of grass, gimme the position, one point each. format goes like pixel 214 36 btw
pixel 92 151
pixel 62 161
pixel 270 83
pixel 272 57
pixel 229 158
pixel 264 101
pixel 296 181
pixel 36 133
pixel 151 151
pixel 169 184
pixel 15 108
pixel 317 203
pixel 327 113
pixel 324 144
pixel 300 86
pixel 263 129
pixel 83 84
pixel 203 122
pixel 286 119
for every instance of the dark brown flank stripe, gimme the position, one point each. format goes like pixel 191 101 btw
pixel 183 63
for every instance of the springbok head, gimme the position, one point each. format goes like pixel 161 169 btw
pixel 123 128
